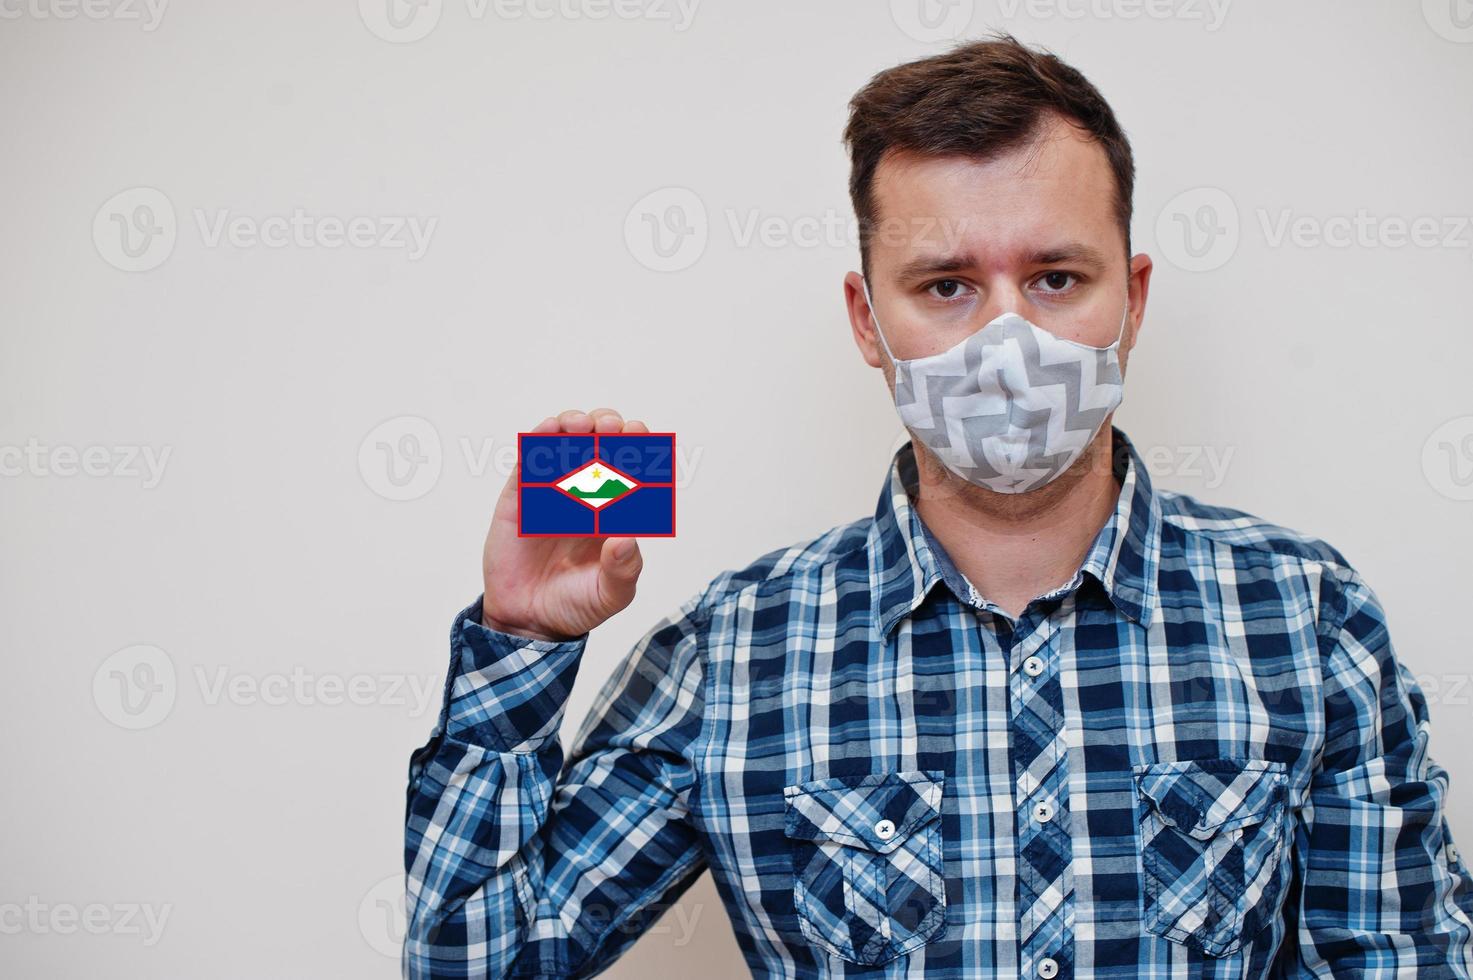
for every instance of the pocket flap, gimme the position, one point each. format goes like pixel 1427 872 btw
pixel 876 812
pixel 1204 796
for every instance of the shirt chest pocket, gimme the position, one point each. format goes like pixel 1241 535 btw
pixel 1212 849
pixel 867 864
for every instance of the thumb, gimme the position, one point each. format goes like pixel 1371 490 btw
pixel 619 565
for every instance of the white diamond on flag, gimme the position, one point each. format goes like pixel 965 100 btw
pixel 596 484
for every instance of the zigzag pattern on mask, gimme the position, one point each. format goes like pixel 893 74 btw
pixel 1001 415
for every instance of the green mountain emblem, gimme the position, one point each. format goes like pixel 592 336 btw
pixel 607 490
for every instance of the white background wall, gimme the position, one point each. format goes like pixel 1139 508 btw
pixel 1331 380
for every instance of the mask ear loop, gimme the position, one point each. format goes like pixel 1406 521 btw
pixel 1120 334
pixel 878 332
pixel 1113 345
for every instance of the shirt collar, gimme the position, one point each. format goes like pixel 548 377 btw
pixel 906 561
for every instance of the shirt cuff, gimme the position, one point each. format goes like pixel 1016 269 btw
pixel 507 692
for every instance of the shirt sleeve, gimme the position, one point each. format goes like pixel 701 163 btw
pixel 521 864
pixel 1381 890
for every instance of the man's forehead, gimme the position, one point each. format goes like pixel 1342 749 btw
pixel 1053 193
pixel 1078 176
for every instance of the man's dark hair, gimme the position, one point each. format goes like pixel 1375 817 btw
pixel 979 100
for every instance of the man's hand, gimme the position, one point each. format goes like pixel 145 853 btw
pixel 556 588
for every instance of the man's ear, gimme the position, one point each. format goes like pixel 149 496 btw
pixel 861 324
pixel 1138 288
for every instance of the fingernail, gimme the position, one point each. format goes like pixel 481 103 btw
pixel 624 550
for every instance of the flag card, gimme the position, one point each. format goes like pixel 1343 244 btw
pixel 596 484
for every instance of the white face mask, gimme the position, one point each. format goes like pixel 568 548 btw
pixel 1011 406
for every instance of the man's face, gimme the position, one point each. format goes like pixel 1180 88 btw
pixel 960 242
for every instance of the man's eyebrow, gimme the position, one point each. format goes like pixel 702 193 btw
pixel 1069 252
pixel 931 265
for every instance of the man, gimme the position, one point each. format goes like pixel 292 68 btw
pixel 1034 717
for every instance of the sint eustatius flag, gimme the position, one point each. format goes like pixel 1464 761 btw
pixel 598 483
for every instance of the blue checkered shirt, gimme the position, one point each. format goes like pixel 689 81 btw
pixel 1200 757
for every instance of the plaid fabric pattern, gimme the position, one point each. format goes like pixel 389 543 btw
pixel 1200 757
pixel 868 874
pixel 1212 851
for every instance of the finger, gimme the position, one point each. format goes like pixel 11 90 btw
pixel 549 424
pixel 619 564
pixel 635 425
pixel 509 489
pixel 507 502
pixel 606 420
pixel 575 420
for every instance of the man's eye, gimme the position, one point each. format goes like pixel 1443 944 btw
pixel 1057 282
pixel 946 288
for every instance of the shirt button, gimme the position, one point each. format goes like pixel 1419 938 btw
pixel 1043 812
pixel 1033 666
pixel 1048 968
pixel 884 830
pixel 1452 853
